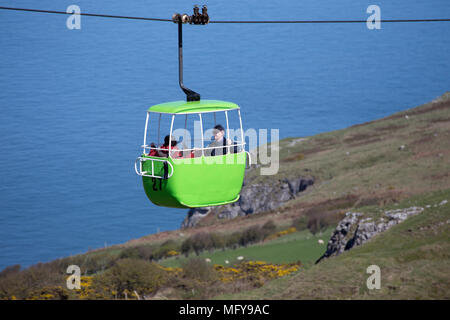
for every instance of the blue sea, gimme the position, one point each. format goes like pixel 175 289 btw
pixel 73 102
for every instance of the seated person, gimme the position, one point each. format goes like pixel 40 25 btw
pixel 219 141
pixel 153 152
pixel 163 153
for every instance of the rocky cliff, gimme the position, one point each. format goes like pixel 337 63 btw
pixel 356 229
pixel 255 198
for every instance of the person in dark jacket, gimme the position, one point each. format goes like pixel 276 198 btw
pixel 219 141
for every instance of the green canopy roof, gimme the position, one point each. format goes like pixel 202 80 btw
pixel 193 106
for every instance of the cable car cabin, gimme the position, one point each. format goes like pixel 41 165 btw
pixel 202 160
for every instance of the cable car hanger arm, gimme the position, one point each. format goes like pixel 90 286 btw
pixel 196 18
pixel 190 94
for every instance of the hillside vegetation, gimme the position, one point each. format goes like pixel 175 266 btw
pixel 413 256
pixel 396 162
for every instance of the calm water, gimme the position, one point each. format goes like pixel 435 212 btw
pixel 73 101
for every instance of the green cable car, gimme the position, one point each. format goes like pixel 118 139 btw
pixel 192 177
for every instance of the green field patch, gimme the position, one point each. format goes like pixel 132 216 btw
pixel 298 246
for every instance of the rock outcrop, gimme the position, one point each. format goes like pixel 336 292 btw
pixel 255 198
pixel 355 229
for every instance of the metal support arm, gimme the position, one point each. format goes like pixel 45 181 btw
pixel 190 94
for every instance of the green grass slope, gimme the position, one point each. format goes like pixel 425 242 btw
pixel 413 256
pixel 401 155
pixel 378 162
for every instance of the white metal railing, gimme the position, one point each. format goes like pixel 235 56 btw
pixel 228 146
pixel 139 171
pixel 152 175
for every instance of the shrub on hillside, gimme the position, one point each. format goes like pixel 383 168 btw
pixel 187 246
pixel 328 214
pixel 232 241
pixel 217 241
pixel 91 262
pixel 129 253
pixel 251 235
pixel 300 223
pixel 210 241
pixel 128 275
pixel 22 284
pixel 316 224
pixel 319 222
pixel 200 242
pixel 268 228
pixel 10 270
pixel 50 293
pixel 164 250
pixel 198 269
pixel 145 252
pixel 139 252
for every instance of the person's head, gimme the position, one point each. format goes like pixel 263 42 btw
pixel 166 141
pixel 218 132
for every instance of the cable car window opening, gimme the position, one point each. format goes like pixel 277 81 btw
pixel 190 136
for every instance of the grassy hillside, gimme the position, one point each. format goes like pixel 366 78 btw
pixel 414 259
pixel 378 162
pixel 395 162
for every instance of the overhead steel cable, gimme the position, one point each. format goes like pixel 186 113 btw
pixel 86 14
pixel 228 21
pixel 330 21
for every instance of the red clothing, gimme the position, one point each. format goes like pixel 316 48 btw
pixel 173 152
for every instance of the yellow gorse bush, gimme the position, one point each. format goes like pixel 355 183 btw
pixel 172 253
pixel 85 290
pixel 282 233
pixel 255 270
pixel 48 293
pixel 171 269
